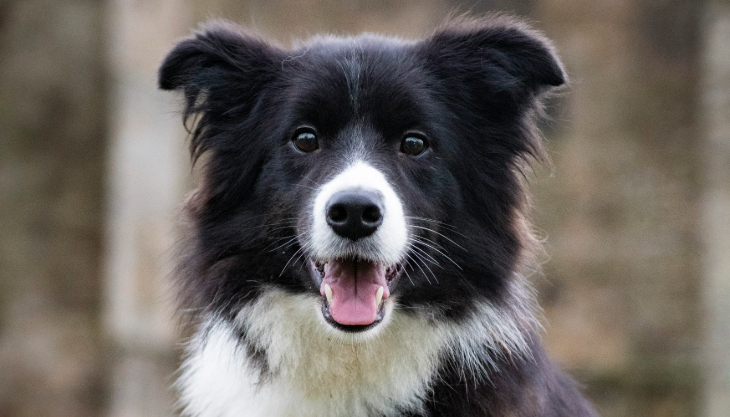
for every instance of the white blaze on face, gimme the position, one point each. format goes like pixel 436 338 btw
pixel 387 245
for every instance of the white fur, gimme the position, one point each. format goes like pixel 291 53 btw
pixel 317 371
pixel 387 245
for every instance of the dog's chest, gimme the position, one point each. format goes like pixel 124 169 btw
pixel 310 372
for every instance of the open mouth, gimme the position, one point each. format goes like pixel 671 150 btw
pixel 354 291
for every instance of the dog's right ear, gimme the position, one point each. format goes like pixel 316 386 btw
pixel 222 70
pixel 219 52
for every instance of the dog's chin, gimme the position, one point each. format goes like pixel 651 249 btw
pixel 376 273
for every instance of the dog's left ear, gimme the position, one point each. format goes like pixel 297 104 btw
pixel 500 53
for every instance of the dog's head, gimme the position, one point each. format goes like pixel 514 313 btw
pixel 370 172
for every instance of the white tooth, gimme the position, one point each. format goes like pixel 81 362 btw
pixel 326 267
pixel 328 293
pixel 378 296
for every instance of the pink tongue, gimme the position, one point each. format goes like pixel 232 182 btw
pixel 354 288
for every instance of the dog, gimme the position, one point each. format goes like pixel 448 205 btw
pixel 359 244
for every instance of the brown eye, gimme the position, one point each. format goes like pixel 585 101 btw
pixel 305 140
pixel 413 145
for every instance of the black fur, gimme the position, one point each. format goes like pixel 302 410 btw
pixel 472 88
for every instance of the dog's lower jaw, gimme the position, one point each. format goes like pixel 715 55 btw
pixel 307 368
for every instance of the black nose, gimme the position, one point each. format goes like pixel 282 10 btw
pixel 355 213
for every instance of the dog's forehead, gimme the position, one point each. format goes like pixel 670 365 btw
pixel 354 60
pixel 366 43
pixel 373 78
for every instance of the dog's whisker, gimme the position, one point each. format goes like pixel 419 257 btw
pixel 418 238
pixel 410 258
pixel 289 261
pixel 440 234
pixel 288 243
pixel 422 242
pixel 425 265
pixel 279 225
pixel 301 255
pixel 313 181
pixel 426 255
pixel 422 264
pixel 305 186
pixel 405 271
pixel 441 224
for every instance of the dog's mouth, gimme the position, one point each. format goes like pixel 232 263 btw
pixel 354 291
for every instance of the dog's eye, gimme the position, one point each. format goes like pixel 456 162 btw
pixel 413 145
pixel 305 140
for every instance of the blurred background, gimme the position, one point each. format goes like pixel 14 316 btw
pixel 636 207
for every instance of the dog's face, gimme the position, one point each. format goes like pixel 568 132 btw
pixel 369 172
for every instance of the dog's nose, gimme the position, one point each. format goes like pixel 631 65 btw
pixel 355 214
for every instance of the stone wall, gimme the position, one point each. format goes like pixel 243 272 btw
pixel 620 207
pixel 634 207
pixel 52 144
pixel 715 226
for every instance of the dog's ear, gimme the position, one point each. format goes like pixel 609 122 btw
pixel 220 49
pixel 504 53
pixel 222 70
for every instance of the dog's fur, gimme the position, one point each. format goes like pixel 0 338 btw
pixel 456 333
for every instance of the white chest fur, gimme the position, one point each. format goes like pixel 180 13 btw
pixel 318 371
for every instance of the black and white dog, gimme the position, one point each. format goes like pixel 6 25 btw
pixel 359 241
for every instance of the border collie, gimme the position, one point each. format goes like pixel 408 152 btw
pixel 359 243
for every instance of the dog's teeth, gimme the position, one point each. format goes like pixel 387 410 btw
pixel 328 293
pixel 378 296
